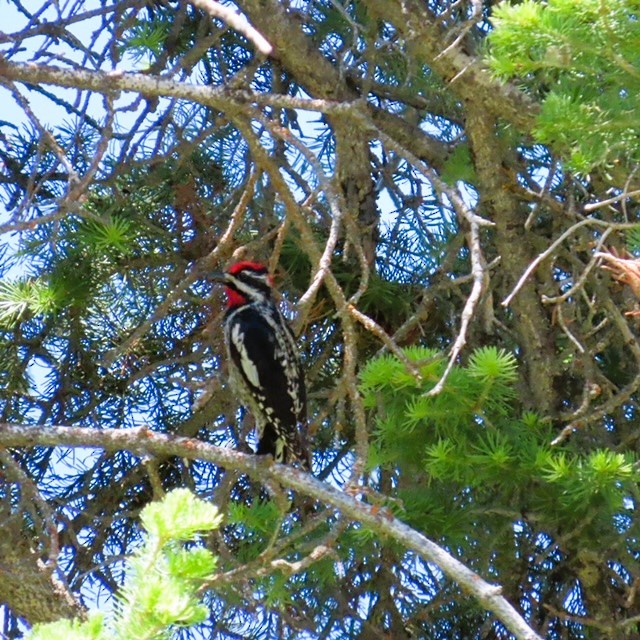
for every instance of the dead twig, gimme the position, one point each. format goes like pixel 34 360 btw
pixel 470 306
pixel 235 21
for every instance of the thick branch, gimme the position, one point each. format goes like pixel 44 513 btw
pixel 465 73
pixel 320 77
pixel 154 86
pixel 490 157
pixel 144 442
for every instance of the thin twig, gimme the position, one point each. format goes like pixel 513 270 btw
pixel 568 333
pixel 603 203
pixel 551 248
pixel 622 395
pixel 545 254
pixel 44 132
pixel 475 17
pixel 265 562
pixel 542 196
pixel 30 491
pixel 77 190
pixel 470 305
pixel 210 259
pixel 477 260
pixel 372 326
pixel 336 205
pixel 235 21
pixel 583 276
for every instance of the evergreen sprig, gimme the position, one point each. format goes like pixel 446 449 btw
pixel 161 590
pixel 582 60
pixel 27 297
pixel 467 449
pixel 633 240
pixel 145 40
pixel 111 234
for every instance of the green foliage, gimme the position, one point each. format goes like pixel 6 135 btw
pixel 145 40
pixel 582 57
pixel 254 526
pixel 90 629
pixel 27 297
pixel 588 479
pixel 633 240
pixel 86 255
pixel 459 165
pixel 109 234
pixel 179 516
pixel 493 365
pixel 466 450
pixel 163 577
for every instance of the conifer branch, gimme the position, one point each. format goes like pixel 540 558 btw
pixel 144 442
pixel 108 82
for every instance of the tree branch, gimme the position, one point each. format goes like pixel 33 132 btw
pixel 464 73
pixel 236 21
pixel 106 82
pixel 144 442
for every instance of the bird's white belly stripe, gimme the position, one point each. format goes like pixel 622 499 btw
pixel 248 366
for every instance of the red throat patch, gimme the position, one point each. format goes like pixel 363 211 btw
pixel 234 299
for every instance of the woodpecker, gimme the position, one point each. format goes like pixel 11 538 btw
pixel 264 363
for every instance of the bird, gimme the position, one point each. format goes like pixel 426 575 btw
pixel 265 369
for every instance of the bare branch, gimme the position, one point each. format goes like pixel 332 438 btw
pixel 224 99
pixel 144 442
pixel 235 21
pixel 478 272
pixel 603 203
pixel 371 325
pixel 579 283
pixel 554 245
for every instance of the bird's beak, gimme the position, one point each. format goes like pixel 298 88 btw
pixel 218 276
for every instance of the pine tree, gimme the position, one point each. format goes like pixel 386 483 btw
pixel 434 187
